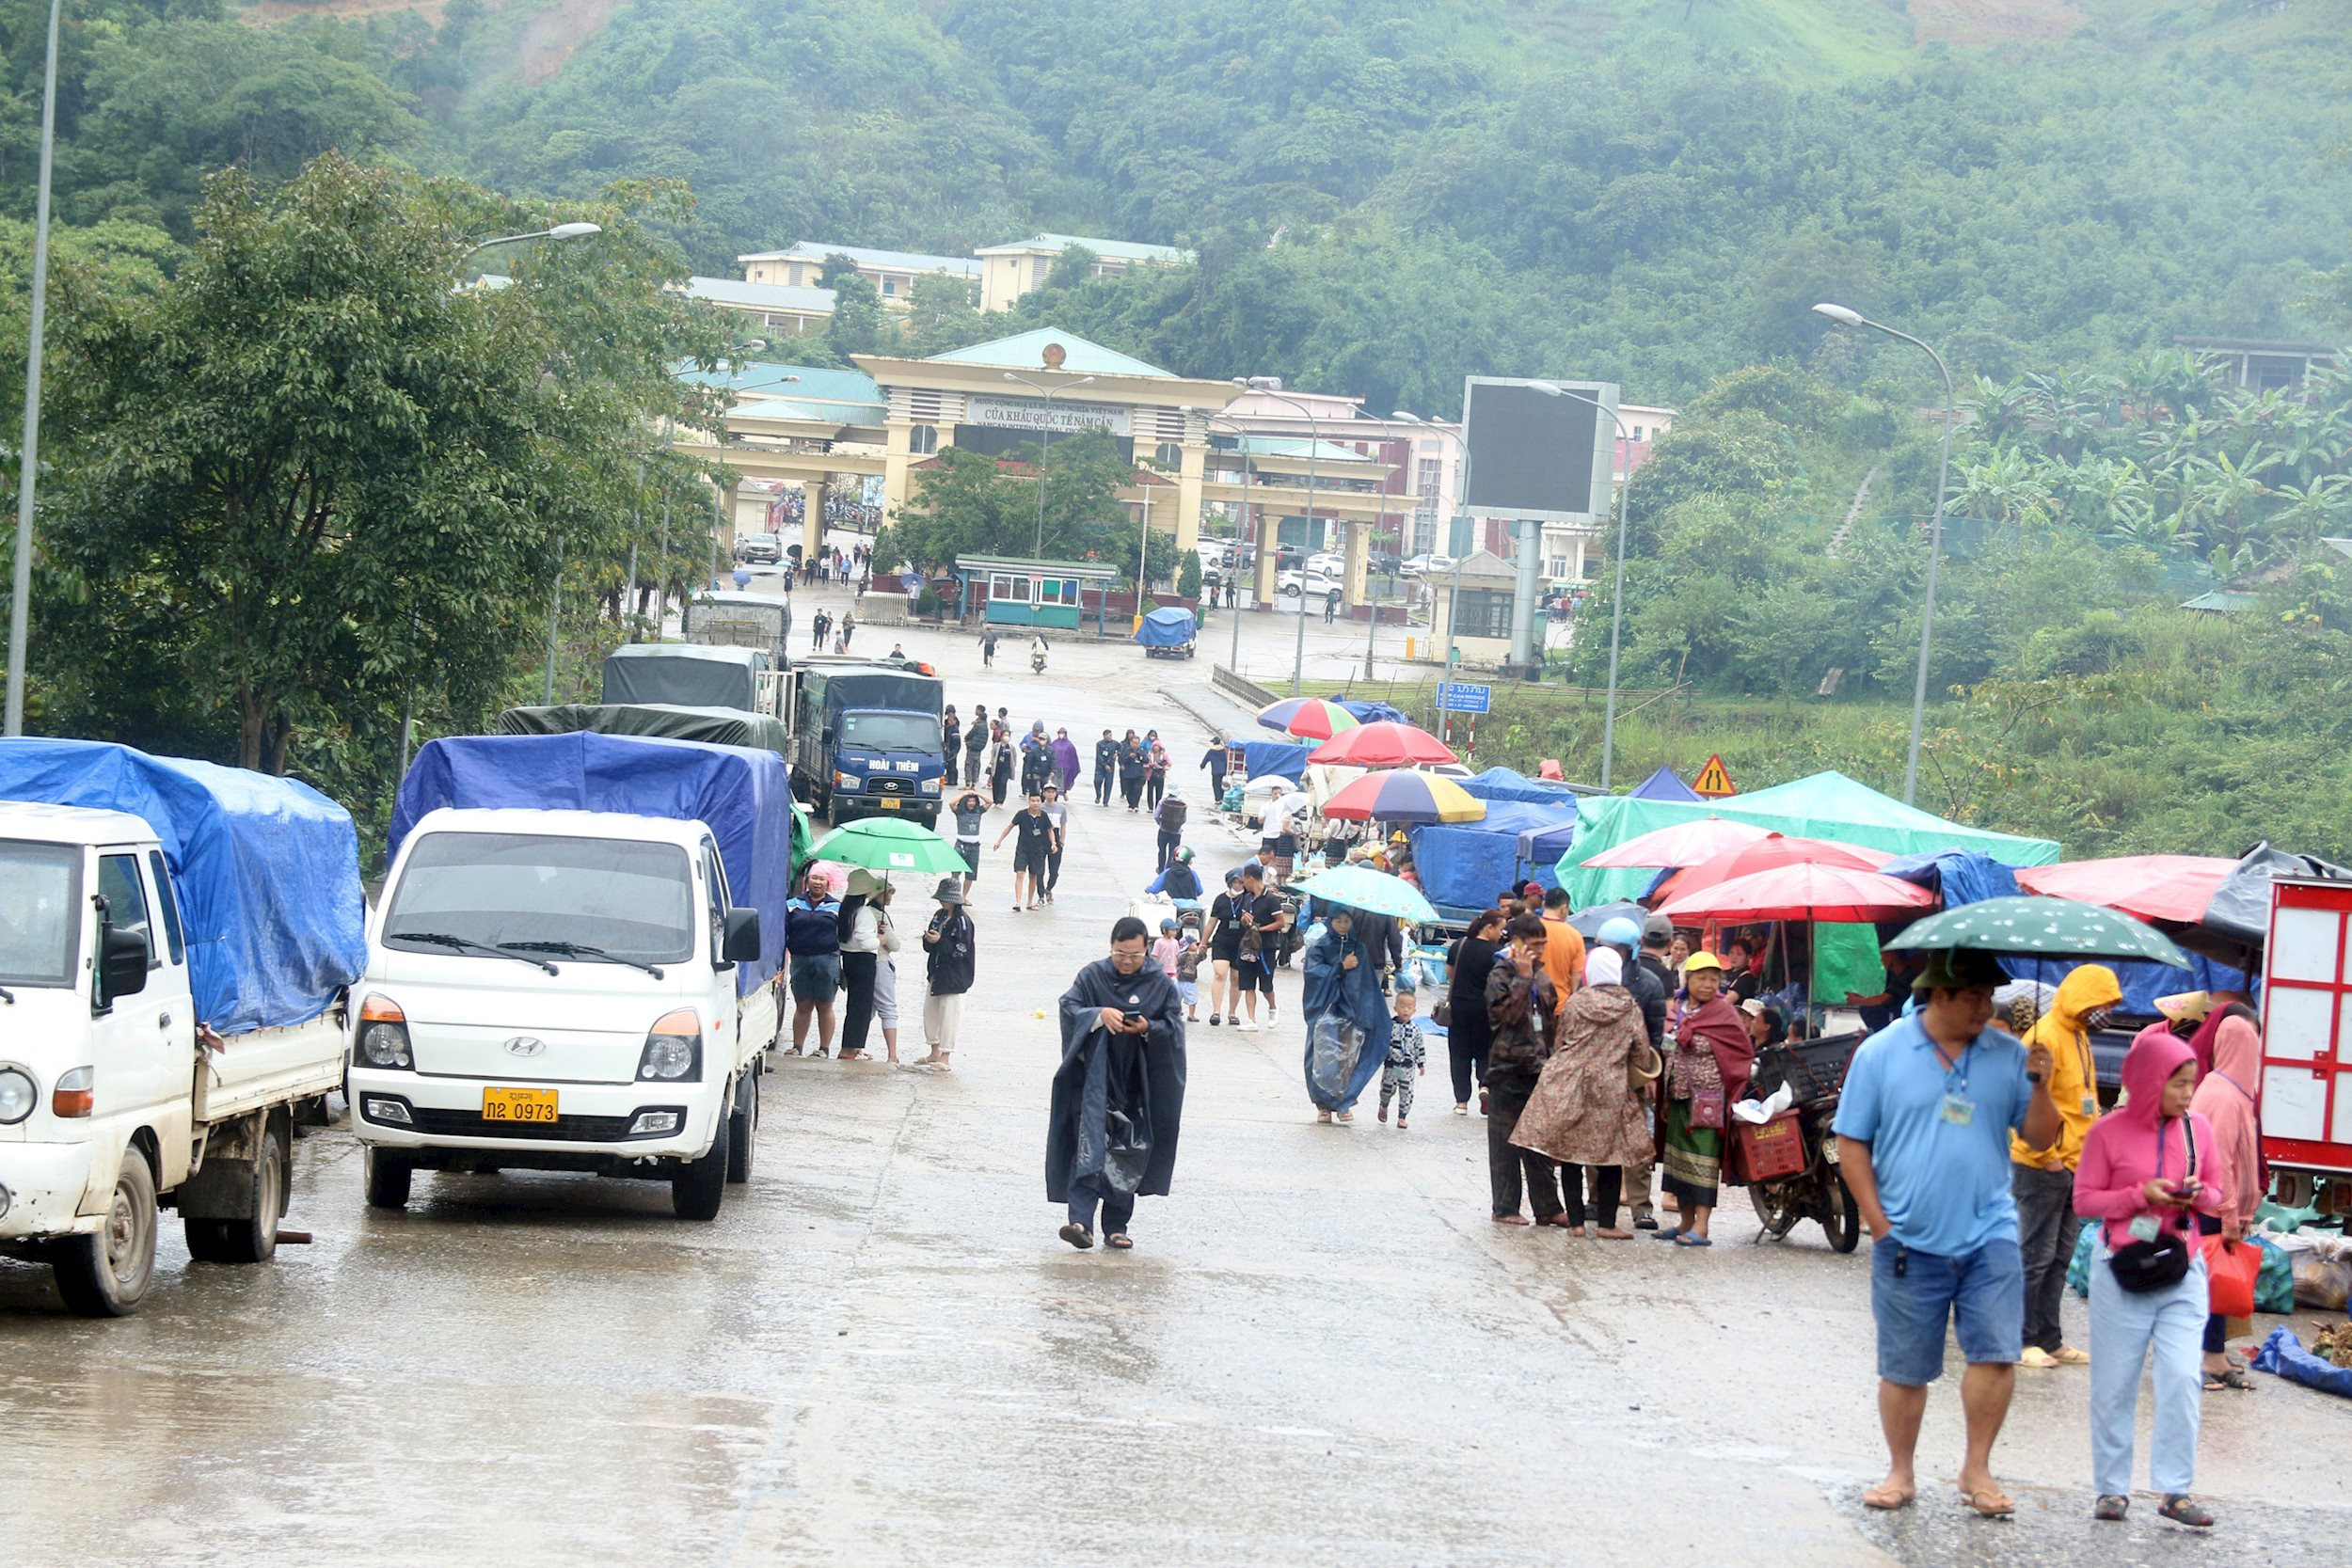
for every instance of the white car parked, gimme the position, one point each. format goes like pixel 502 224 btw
pixel 1428 565
pixel 1313 585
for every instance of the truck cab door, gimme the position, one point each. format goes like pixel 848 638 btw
pixel 140 1040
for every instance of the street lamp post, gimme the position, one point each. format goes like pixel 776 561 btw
pixel 1264 385
pixel 1616 617
pixel 1461 513
pixel 28 451
pixel 1845 317
pixel 1232 659
pixel 1045 447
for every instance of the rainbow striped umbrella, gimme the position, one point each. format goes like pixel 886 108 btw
pixel 1308 717
pixel 1402 795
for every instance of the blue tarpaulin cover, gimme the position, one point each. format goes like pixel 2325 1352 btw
pixel 742 793
pixel 1268 757
pixel 1964 877
pixel 1464 866
pixel 1171 627
pixel 1508 783
pixel 267 871
pixel 1376 713
pixel 1664 784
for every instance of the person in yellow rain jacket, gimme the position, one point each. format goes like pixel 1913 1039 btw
pixel 2042 1180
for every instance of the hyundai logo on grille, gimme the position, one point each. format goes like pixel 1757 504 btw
pixel 526 1045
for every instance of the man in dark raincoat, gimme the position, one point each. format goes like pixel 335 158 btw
pixel 1118 1098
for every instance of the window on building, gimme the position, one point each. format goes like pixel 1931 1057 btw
pixel 1429 476
pixel 1637 432
pixel 1169 454
pixel 1482 613
pixel 1009 587
pixel 890 287
pixel 923 440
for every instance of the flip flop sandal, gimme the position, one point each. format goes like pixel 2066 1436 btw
pixel 1510 1219
pixel 1988 1504
pixel 1668 1234
pixel 2110 1507
pixel 1077 1235
pixel 2215 1382
pixel 1118 1242
pixel 1886 1499
pixel 1684 1239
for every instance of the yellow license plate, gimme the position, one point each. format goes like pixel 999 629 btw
pixel 518 1105
pixel 888 803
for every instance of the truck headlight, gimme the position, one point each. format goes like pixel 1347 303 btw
pixel 383 1041
pixel 674 1048
pixel 76 1094
pixel 18 1093
pixel 845 781
pixel 930 786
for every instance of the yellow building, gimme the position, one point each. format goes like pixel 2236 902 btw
pixel 771 309
pixel 892 272
pixel 1009 271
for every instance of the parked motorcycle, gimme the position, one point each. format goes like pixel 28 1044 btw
pixel 1796 1152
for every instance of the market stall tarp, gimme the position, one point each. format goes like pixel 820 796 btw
pixel 267 871
pixel 1376 713
pixel 1465 866
pixel 742 793
pixel 1964 876
pixel 1664 784
pixel 1168 627
pixel 1266 758
pixel 1826 805
pixel 1508 783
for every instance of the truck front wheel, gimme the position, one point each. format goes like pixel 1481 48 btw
pixel 387 1177
pixel 252 1237
pixel 107 1275
pixel 700 1185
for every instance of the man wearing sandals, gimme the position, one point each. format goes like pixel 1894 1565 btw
pixel 1923 1140
pixel 1119 1096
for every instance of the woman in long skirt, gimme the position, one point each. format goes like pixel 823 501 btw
pixel 1710 1066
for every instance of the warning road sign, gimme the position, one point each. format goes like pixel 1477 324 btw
pixel 1714 782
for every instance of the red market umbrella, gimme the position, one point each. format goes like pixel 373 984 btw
pixel 2151 887
pixel 1767 853
pixel 1384 745
pixel 1681 843
pixel 1805 892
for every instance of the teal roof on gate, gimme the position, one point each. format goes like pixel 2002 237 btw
pixel 1026 351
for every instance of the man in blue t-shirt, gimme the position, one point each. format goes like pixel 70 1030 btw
pixel 1923 1125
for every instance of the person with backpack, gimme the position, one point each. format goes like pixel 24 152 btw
pixel 1171 818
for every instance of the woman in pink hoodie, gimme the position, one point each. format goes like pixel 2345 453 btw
pixel 2146 1165
pixel 2225 1097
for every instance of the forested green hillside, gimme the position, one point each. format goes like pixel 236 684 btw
pixel 1386 193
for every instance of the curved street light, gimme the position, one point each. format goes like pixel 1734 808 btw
pixel 28 451
pixel 1845 317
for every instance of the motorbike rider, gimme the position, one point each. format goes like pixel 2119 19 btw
pixel 1036 653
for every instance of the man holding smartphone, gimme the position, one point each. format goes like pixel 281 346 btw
pixel 1923 1141
pixel 1119 1096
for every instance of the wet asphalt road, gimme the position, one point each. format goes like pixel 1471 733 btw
pixel 1321 1352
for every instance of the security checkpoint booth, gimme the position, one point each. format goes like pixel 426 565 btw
pixel 1009 591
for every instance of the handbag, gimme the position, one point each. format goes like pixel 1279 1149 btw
pixel 2141 1267
pixel 1707 1107
pixel 1442 1014
pixel 2232 1273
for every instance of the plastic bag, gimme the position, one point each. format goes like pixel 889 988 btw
pixel 1333 1046
pixel 2078 1271
pixel 2322 1281
pixel 2230 1273
pixel 2273 1290
pixel 2283 1355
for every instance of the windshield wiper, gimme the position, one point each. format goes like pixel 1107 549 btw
pixel 467 945
pixel 580 950
pixel 6 996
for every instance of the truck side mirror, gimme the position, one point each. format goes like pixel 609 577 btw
pixel 739 944
pixel 121 966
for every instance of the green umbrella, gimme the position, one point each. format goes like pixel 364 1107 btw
pixel 889 844
pixel 2058 928
pixel 1373 892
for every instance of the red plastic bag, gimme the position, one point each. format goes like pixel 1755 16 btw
pixel 2231 1273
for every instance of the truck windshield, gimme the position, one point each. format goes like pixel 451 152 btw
pixel 634 901
pixel 891 732
pixel 39 908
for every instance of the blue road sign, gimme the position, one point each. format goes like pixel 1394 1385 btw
pixel 1456 697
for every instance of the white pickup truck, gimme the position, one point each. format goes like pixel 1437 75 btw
pixel 116 1095
pixel 557 989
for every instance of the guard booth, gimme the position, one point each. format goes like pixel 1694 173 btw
pixel 1007 591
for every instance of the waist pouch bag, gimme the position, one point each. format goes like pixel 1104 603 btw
pixel 2143 1266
